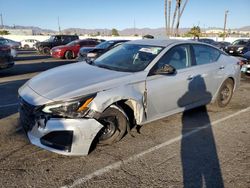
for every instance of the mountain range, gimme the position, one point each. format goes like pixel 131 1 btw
pixel 127 31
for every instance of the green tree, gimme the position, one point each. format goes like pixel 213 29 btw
pixel 195 32
pixel 114 32
pixel 4 32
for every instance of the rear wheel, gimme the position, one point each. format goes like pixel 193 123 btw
pixel 225 93
pixel 26 46
pixel 69 55
pixel 115 124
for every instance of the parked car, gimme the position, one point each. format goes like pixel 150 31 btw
pixel 55 40
pixel 70 50
pixel 91 53
pixel 245 68
pixel 28 43
pixel 238 47
pixel 6 59
pixel 12 44
pixel 64 109
pixel 208 41
pixel 222 44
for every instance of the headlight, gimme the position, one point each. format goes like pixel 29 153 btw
pixel 57 50
pixel 72 109
pixel 240 48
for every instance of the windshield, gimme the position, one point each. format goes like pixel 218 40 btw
pixel 73 43
pixel 240 42
pixel 128 57
pixel 50 39
pixel 105 45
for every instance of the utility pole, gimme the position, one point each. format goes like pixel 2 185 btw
pixel 225 24
pixel 1 20
pixel 59 28
pixel 134 27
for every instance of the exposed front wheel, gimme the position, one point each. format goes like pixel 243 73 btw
pixel 115 124
pixel 225 93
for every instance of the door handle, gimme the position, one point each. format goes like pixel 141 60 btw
pixel 221 67
pixel 190 77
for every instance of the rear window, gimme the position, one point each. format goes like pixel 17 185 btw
pixel 205 54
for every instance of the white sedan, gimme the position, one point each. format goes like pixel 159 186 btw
pixel 28 43
pixel 65 108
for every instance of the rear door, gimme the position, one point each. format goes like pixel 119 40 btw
pixel 210 66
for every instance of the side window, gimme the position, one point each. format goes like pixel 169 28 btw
pixel 83 43
pixel 178 57
pixel 205 54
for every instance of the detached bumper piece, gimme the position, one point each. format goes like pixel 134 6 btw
pixel 59 135
pixel 65 136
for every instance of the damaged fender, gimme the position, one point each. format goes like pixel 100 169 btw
pixel 83 133
pixel 134 94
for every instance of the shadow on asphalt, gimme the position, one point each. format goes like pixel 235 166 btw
pixel 30 58
pixel 9 95
pixel 20 69
pixel 200 162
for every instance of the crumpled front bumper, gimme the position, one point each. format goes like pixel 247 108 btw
pixel 65 136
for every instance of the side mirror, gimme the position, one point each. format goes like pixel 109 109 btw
pixel 165 70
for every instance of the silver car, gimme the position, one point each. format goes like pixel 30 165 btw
pixel 65 109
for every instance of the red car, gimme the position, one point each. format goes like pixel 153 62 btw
pixel 70 50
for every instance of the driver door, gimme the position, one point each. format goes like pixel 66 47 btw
pixel 166 94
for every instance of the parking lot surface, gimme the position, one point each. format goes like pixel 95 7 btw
pixel 202 147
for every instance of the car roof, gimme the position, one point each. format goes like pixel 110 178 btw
pixel 160 42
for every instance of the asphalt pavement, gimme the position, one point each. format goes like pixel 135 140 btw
pixel 204 147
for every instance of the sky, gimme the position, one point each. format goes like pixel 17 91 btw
pixel 121 14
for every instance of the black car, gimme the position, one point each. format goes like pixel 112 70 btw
pixel 6 59
pixel 92 53
pixel 207 41
pixel 238 47
pixel 222 45
pixel 55 40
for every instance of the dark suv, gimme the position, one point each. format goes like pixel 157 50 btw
pixel 55 40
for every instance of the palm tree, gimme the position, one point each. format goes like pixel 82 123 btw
pixel 169 13
pixel 166 22
pixel 180 12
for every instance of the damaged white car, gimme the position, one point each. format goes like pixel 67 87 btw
pixel 64 109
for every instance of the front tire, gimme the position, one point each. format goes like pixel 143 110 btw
pixel 69 55
pixel 115 124
pixel 225 93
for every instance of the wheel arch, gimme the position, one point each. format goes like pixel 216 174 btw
pixel 217 92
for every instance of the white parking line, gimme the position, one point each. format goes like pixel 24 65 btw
pixel 8 105
pixel 117 165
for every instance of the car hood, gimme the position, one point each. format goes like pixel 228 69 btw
pixel 86 49
pixel 235 46
pixel 59 47
pixel 79 79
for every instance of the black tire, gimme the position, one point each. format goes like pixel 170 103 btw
pixel 225 93
pixel 69 55
pixel 115 123
pixel 46 50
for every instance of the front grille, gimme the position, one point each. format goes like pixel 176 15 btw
pixel 27 114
